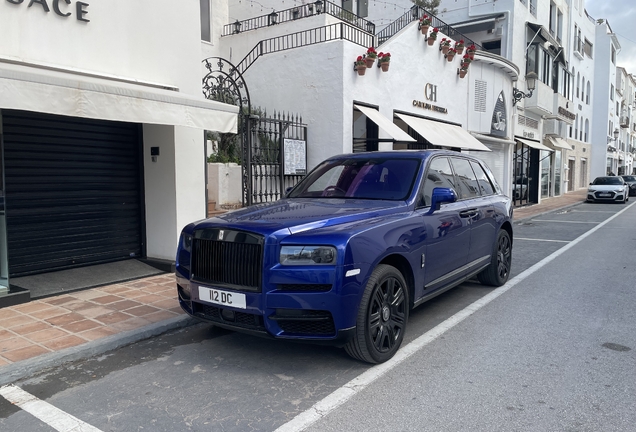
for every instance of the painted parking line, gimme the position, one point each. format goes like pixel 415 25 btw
pixel 563 221
pixel 542 240
pixel 334 400
pixel 44 411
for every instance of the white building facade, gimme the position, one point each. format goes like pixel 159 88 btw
pixel 582 59
pixel 421 102
pixel 102 121
pixel 605 124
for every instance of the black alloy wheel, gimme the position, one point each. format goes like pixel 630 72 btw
pixel 498 272
pixel 382 317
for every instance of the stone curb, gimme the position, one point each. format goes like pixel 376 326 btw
pixel 18 370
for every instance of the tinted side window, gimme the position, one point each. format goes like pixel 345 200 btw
pixel 439 174
pixel 466 180
pixel 485 186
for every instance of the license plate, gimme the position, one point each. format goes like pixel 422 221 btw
pixel 604 195
pixel 223 298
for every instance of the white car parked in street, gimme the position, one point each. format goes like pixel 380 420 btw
pixel 608 189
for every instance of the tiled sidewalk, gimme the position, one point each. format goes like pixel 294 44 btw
pixel 55 323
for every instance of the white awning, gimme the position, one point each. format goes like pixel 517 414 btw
pixel 534 144
pixel 489 138
pixel 558 143
pixel 64 93
pixel 385 124
pixel 443 134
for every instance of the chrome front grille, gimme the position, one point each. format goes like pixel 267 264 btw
pixel 227 258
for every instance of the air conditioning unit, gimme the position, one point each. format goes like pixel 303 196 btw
pixel 555 127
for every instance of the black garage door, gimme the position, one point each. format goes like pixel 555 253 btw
pixel 72 191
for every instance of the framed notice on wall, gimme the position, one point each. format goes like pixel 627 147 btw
pixel 295 152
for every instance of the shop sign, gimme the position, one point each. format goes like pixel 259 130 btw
pixel 60 7
pixel 430 93
pixel 528 134
pixel 567 114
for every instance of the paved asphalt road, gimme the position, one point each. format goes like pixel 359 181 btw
pixel 555 351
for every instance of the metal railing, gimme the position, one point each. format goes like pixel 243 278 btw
pixel 298 12
pixel 414 14
pixel 342 31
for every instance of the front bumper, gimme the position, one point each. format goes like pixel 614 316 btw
pixel 605 196
pixel 285 308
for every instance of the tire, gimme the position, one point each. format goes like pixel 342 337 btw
pixel 382 317
pixel 497 273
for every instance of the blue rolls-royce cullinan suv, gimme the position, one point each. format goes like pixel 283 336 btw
pixel 361 240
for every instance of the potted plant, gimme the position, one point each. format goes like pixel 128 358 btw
pixel 459 47
pixel 432 36
pixel 450 55
pixel 370 57
pixel 360 65
pixel 466 60
pixel 463 70
pixel 425 23
pixel 383 61
pixel 444 45
pixel 470 50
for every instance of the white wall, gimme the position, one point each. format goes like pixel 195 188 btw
pixel 160 192
pixel 149 40
pixel 144 42
pixel 319 82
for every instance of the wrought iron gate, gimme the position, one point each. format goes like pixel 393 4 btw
pixel 263 140
pixel 270 156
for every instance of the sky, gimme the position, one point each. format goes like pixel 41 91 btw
pixel 621 15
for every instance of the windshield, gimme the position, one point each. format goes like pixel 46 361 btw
pixel 369 178
pixel 629 178
pixel 608 181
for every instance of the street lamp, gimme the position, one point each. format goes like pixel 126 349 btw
pixel 531 82
pixel 318 4
pixel 415 12
pixel 272 19
pixel 237 26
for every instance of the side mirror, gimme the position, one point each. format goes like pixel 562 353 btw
pixel 590 184
pixel 440 196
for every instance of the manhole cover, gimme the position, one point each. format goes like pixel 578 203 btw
pixel 616 347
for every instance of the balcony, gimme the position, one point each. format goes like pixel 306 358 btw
pixel 624 122
pixel 542 100
pixel 560 110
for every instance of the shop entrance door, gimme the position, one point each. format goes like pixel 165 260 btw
pixel 571 165
pixel 525 181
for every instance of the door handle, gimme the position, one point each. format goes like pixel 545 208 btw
pixel 468 213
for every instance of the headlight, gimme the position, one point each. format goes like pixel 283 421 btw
pixel 590 190
pixel 186 242
pixel 308 255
